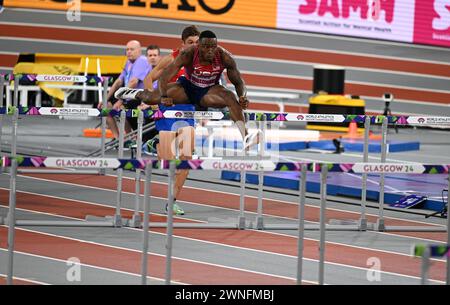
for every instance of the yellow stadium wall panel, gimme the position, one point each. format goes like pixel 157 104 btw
pixel 261 13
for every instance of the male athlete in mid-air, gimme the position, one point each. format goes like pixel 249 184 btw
pixel 203 66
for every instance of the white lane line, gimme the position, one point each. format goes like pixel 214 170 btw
pixel 155 254
pixel 129 228
pixel 274 31
pixel 21 278
pixel 265 232
pixel 87 265
pixel 8 53
pixel 305 258
pixel 234 247
pixel 90 202
pixel 241 42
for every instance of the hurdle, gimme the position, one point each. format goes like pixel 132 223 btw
pixel 108 221
pixel 117 219
pixel 255 165
pixel 380 224
pixel 205 164
pixel 260 225
pixel 136 220
pixel 147 192
pixel 2 87
pixel 282 99
pixel 363 220
pixel 61 112
pixel 241 221
pixel 361 224
pixel 294 117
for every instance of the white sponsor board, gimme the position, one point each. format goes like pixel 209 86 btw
pixel 61 78
pixel 263 165
pixel 423 120
pixel 308 117
pixel 380 19
pixel 82 162
pixel 81 112
pixel 173 114
pixel 390 168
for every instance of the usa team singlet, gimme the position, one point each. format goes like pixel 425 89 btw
pixel 204 76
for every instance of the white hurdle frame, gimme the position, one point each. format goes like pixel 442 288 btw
pixel 62 171
pixel 136 220
pixel 11 222
pixel 90 221
pixel 2 87
pixel 145 229
pixel 363 220
pixel 380 224
pixel 448 232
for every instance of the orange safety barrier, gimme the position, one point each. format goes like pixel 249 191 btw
pixel 96 133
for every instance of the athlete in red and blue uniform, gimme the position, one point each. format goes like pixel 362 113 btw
pixel 203 65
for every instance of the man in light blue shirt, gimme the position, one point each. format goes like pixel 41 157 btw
pixel 133 75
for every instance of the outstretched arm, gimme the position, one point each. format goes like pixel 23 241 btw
pixel 183 59
pixel 156 72
pixel 117 84
pixel 235 78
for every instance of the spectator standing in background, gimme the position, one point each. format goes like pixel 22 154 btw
pixel 132 76
pixel 153 56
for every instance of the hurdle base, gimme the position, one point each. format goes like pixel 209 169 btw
pixel 259 223
pixel 363 225
pixel 380 225
pixel 241 223
pixel 414 229
pixel 135 222
pixel 186 225
pixel 311 227
pixel 116 220
pixel 60 223
pixel 58 171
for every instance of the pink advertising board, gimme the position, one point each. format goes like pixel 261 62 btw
pixel 432 22
pixel 379 19
pixel 412 21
